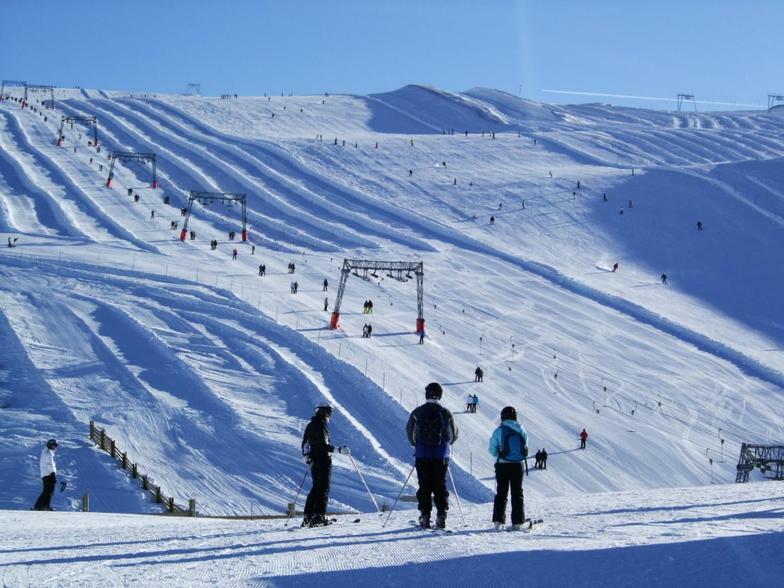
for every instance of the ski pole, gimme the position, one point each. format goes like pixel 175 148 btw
pixel 391 510
pixel 297 496
pixel 459 506
pixel 363 482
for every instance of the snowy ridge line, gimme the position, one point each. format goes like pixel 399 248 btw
pixel 107 444
pixel 274 227
pixel 55 170
pixel 274 168
pixel 405 113
pixel 231 179
pixel 287 167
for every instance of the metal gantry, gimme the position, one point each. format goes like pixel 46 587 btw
pixel 686 98
pixel 207 198
pixel 773 100
pixel 130 156
pixel 88 120
pixel 398 270
pixel 13 84
pixel 43 87
pixel 764 457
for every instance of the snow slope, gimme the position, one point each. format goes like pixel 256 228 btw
pixel 206 373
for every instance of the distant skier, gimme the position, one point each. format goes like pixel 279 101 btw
pixel 604 196
pixel 326 303
pixel 478 374
pixel 509 445
pixel 317 447
pixel 620 210
pixel 431 431
pixel 234 255
pixel 474 403
pixel 421 337
pixel 469 402
pixel 253 250
pixel 615 267
pixel 544 458
pixel 48 471
pixel 369 330
pixel 664 279
pixel 152 214
pixel 631 204
pixel 583 438
pixel 492 220
pixel 538 461
pixel 262 269
pixel 325 285
pixel 699 225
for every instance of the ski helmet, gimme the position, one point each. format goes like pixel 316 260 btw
pixel 433 390
pixel 508 413
pixel 52 443
pixel 324 411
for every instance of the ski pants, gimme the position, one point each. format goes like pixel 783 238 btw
pixel 431 474
pixel 508 476
pixel 320 471
pixel 45 499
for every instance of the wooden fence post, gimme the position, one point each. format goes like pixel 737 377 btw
pixel 144 483
pixel 134 471
pixel 103 439
pixel 158 497
pixel 171 505
pixel 113 449
pixel 92 429
pixel 192 507
pixel 125 460
pixel 86 502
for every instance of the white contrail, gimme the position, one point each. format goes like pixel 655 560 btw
pixel 629 96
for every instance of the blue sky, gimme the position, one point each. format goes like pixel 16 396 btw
pixel 719 50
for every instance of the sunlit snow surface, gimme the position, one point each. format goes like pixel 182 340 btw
pixel 206 373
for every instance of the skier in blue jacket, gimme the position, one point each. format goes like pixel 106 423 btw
pixel 509 445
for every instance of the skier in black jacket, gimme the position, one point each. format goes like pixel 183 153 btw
pixel 317 447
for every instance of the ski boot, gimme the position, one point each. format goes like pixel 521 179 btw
pixel 441 520
pixel 424 520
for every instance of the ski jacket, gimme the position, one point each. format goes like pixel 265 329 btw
pixel 497 438
pixel 316 441
pixel 583 435
pixel 46 463
pixel 442 451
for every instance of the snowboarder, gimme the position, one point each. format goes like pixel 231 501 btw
pixel 583 438
pixel 317 447
pixel 48 471
pixel 664 279
pixel 615 267
pixel 325 284
pixel 478 374
pixel 508 445
pixel 431 431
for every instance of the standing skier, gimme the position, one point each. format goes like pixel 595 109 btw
pixel 508 445
pixel 325 284
pixel 583 438
pixel 48 475
pixel 432 431
pixel 317 447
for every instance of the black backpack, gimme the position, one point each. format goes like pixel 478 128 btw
pixel 512 445
pixel 431 426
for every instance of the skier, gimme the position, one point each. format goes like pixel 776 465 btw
pixel 492 220
pixel 261 269
pixel 48 475
pixel 152 214
pixel 544 458
pixel 370 307
pixel 10 244
pixel 234 255
pixel 364 331
pixel 615 267
pixel 253 250
pixel 421 337
pixel 475 403
pixel 631 204
pixel 369 330
pixel 508 445
pixel 295 286
pixel 325 284
pixel 583 438
pixel 478 374
pixel 469 402
pixel 699 225
pixel 431 431
pixel 316 447
pixel 538 463
pixel 604 196
pixel 664 279
pixel 620 210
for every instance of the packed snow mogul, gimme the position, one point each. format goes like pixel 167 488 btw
pixel 317 447
pixel 48 476
pixel 431 431
pixel 509 445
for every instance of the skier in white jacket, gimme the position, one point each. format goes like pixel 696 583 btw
pixel 48 475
